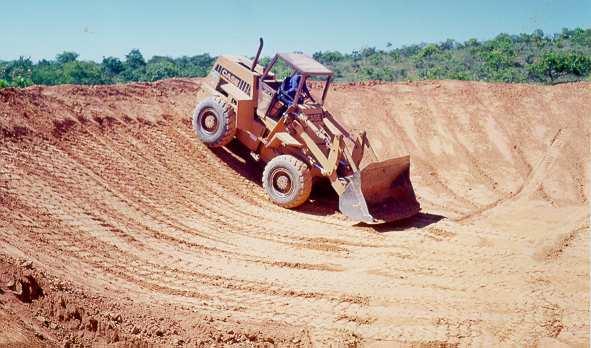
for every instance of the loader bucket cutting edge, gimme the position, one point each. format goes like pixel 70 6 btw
pixel 380 192
pixel 352 203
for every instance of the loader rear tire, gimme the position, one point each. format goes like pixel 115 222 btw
pixel 214 121
pixel 287 181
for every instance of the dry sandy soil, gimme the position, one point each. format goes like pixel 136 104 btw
pixel 117 226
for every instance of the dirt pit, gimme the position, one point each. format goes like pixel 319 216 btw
pixel 118 227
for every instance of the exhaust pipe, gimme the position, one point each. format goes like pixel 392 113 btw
pixel 256 58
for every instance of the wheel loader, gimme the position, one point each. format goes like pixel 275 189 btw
pixel 300 141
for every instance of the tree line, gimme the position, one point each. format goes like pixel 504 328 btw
pixel 535 57
pixel 67 69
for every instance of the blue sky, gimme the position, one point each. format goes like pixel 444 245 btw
pixel 41 29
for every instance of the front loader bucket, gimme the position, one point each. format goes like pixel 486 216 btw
pixel 380 192
pixel 352 203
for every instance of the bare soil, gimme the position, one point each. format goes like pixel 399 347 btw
pixel 118 227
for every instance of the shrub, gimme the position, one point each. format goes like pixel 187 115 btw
pixel 554 65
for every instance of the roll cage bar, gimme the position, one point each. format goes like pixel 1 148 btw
pixel 305 66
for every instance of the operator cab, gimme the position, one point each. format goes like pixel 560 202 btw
pixel 273 98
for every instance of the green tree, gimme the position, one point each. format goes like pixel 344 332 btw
pixel 581 37
pixel 22 82
pixel 526 57
pixel 448 44
pixel 538 38
pixel 280 69
pixel 499 57
pixel 85 73
pixel 135 60
pixel 18 72
pixel 407 51
pixel 195 66
pixel 328 56
pixel 472 43
pixel 133 75
pixel 3 69
pixel 66 57
pixel 160 70
pixel 47 73
pixel 554 65
pixel 429 51
pixel 112 66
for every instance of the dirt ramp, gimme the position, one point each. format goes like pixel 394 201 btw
pixel 44 113
pixel 474 144
pixel 139 234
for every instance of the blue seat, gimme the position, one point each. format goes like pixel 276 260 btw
pixel 288 89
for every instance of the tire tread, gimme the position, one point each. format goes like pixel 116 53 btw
pixel 304 178
pixel 228 120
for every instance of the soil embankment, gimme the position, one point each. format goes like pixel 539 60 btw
pixel 117 225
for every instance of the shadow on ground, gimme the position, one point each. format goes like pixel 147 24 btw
pixel 323 201
pixel 238 157
pixel 420 220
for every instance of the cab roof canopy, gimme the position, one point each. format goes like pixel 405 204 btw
pixel 304 64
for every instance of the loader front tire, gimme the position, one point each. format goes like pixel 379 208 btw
pixel 287 181
pixel 214 121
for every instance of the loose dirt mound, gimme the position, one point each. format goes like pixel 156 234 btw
pixel 129 230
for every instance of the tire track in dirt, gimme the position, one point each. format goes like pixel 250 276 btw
pixel 154 285
pixel 150 285
pixel 109 189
